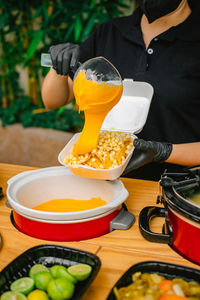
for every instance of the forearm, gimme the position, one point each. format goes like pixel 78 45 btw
pixel 185 154
pixel 56 90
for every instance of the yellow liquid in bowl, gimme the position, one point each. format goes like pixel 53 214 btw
pixel 70 205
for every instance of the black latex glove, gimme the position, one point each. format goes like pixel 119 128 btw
pixel 146 152
pixel 65 58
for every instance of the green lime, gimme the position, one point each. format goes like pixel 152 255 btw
pixel 80 271
pixel 60 289
pixel 41 280
pixel 13 296
pixel 23 285
pixel 36 269
pixel 37 295
pixel 58 271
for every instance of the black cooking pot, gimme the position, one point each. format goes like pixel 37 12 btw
pixel 182 214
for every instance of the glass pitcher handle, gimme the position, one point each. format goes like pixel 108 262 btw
pixel 46 60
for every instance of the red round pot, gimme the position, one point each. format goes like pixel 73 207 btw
pixel 186 236
pixel 64 231
pixel 30 188
pixel 75 230
pixel 181 230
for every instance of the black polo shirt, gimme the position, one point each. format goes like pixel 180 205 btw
pixel 171 64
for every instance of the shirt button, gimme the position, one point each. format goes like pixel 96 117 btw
pixel 155 39
pixel 150 51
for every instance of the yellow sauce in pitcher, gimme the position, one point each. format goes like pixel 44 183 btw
pixel 70 205
pixel 96 100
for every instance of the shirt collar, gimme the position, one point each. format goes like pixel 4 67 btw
pixel 129 26
pixel 189 30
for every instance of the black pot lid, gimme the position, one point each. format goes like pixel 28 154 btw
pixel 181 191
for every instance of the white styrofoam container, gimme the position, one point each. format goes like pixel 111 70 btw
pixel 86 171
pixel 30 188
pixel 128 115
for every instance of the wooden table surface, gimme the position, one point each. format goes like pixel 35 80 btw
pixel 117 250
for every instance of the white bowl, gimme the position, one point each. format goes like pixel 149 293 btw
pixel 31 188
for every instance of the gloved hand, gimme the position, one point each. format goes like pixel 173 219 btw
pixel 65 58
pixel 146 152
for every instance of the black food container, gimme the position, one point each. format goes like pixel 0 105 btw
pixel 167 270
pixel 50 255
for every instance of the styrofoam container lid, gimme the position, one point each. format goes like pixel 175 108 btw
pixel 31 188
pixel 130 113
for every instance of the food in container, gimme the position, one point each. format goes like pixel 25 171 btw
pixel 31 188
pixel 154 279
pixel 128 116
pixel 50 255
pixel 193 196
pixel 111 151
pixel 70 205
pixel 56 282
pixel 158 287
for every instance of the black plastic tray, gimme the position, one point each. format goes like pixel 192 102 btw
pixel 49 255
pixel 170 271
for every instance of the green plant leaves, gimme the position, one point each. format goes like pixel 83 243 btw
pixel 77 29
pixel 3 20
pixel 89 26
pixel 22 111
pixel 34 44
pixel 29 28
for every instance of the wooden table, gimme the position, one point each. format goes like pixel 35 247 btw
pixel 117 250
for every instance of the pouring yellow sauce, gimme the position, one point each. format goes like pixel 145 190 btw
pixel 70 205
pixel 96 100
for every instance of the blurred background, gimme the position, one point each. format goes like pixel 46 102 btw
pixel 30 134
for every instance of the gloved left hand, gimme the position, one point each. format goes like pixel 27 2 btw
pixel 146 152
pixel 65 58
